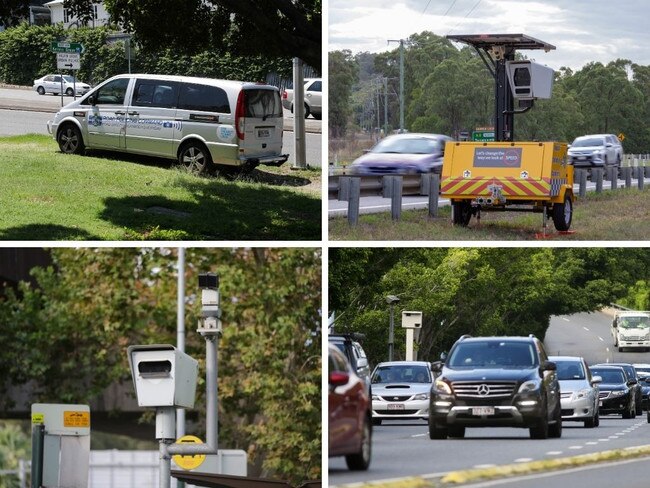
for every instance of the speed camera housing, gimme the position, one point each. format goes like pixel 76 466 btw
pixel 163 376
pixel 529 80
pixel 411 320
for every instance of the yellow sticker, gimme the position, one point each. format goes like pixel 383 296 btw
pixel 76 419
pixel 38 418
pixel 189 462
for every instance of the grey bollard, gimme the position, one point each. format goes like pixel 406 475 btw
pixel 434 193
pixel 582 180
pixel 344 188
pixel 627 172
pixel 353 201
pixel 396 197
pixel 597 175
pixel 640 181
pixel 386 186
pixel 613 178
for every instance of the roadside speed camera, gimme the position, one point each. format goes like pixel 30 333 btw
pixel 411 320
pixel 163 376
pixel 529 80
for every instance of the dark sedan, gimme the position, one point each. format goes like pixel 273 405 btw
pixel 403 154
pixel 616 391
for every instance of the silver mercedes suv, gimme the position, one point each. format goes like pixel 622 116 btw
pixel 596 151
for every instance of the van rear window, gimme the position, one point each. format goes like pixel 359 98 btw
pixel 203 98
pixel 263 103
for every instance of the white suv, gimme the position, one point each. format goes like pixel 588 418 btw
pixel 598 150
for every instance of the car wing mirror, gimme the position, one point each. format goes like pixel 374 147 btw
pixel 596 379
pixel 436 366
pixel 632 382
pixel 362 363
pixel 549 366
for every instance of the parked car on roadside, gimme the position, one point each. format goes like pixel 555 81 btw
pixel 349 423
pixel 313 98
pixel 57 84
pixel 598 150
pixel 617 393
pixel 578 390
pixel 402 154
pixel 400 390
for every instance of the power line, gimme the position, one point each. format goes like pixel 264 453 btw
pixel 466 15
pixel 450 7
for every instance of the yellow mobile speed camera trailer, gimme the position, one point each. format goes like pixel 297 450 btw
pixel 506 175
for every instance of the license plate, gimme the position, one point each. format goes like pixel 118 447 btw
pixel 582 157
pixel 263 133
pixel 600 404
pixel 482 411
pixel 395 406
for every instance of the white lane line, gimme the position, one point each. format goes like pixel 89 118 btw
pixel 418 435
pixel 565 319
pixel 607 349
pixel 576 447
pixel 483 466
pixel 592 443
pixel 603 440
pixel 553 453
pixel 523 460
pixel 613 437
pixel 601 339
pixel 586 328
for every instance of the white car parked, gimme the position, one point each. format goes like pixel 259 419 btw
pixel 60 84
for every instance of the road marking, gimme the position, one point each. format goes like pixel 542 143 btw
pixel 576 447
pixel 613 437
pixel 601 339
pixel 565 319
pixel 603 440
pixel 553 453
pixel 418 435
pixel 523 460
pixel 592 443
pixel 586 328
pixel 483 466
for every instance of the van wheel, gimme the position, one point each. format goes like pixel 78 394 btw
pixel 40 90
pixel 563 213
pixel 70 139
pixel 195 157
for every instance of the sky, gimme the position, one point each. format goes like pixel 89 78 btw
pixel 581 30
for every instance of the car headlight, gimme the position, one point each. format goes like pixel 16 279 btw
pixel 618 393
pixel 421 396
pixel 442 387
pixel 529 386
pixel 376 398
pixel 577 395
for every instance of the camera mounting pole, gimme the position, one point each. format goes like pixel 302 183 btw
pixel 498 49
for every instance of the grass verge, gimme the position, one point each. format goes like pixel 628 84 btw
pixel 609 216
pixel 47 195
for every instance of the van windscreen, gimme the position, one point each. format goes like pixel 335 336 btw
pixel 204 98
pixel 263 103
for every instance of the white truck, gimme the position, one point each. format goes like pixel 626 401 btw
pixel 631 329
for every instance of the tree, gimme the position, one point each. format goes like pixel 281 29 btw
pixel 343 70
pixel 282 28
pixel 12 12
pixel 70 333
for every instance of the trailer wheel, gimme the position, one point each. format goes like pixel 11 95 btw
pixel 563 213
pixel 462 212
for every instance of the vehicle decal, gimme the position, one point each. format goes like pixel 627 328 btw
pixel 226 133
pixel 133 122
pixel 511 186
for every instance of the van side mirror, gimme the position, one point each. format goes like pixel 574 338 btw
pixel 92 100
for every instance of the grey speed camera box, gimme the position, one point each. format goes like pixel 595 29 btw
pixel 163 376
pixel 411 320
pixel 529 80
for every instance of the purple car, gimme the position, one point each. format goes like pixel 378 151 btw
pixel 403 154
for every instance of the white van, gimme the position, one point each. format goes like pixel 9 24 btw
pixel 201 122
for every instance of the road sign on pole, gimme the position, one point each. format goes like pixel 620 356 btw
pixel 67 60
pixel 67 47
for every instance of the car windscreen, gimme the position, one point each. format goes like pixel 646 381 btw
pixel 589 142
pixel 570 370
pixel 493 354
pixel 609 376
pixel 263 103
pixel 407 146
pixel 401 374
pixel 634 323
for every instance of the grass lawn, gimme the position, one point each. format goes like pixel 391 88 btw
pixel 610 216
pixel 47 195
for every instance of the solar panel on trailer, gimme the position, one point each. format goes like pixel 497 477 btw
pixel 517 41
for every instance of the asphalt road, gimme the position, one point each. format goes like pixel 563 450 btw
pixel 24 111
pixel 403 448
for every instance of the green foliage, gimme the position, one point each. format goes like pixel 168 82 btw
pixel 478 291
pixel 71 332
pixel 343 70
pixel 14 445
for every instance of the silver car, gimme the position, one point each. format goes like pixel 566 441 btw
pixel 400 390
pixel 598 150
pixel 56 84
pixel 578 390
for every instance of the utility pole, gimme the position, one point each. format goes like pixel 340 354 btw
pixel 378 109
pixel 385 106
pixel 401 81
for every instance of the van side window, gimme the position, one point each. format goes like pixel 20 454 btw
pixel 203 98
pixel 153 93
pixel 112 93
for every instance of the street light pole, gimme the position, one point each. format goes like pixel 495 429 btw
pixel 391 300
pixel 401 82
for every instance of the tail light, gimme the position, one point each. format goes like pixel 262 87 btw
pixel 285 95
pixel 240 111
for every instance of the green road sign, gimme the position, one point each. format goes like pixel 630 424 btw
pixel 67 47
pixel 483 135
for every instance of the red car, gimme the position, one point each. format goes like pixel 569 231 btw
pixel 350 416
